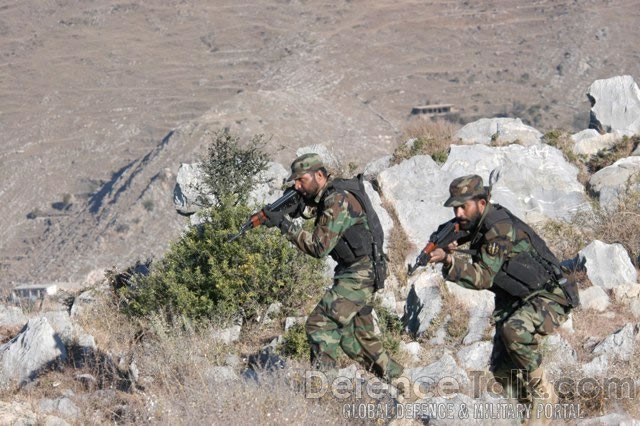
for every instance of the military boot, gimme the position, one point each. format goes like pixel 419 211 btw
pixel 513 385
pixel 544 397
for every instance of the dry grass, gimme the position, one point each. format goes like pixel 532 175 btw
pixel 176 383
pixel 606 157
pixel 430 137
pixel 454 316
pixel 399 245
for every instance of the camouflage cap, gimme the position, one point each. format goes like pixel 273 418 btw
pixel 304 164
pixel 464 188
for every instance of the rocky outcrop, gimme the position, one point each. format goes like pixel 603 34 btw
pixel 498 130
pixel 607 265
pixel 35 349
pixel 612 183
pixel 615 105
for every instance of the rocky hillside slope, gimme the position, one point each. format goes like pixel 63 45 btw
pixel 101 101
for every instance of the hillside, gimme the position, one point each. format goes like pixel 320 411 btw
pixel 101 101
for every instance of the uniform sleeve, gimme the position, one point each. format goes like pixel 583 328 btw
pixel 486 264
pixel 335 220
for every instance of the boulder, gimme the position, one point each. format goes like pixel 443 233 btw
pixel 590 141
pixel 594 298
pixel 226 335
pixel 536 182
pixel 424 302
pixel 36 348
pixel 439 378
pixel 558 353
pixel 610 184
pixel 12 316
pixel 374 168
pixel 480 305
pixel 619 345
pixel 501 130
pixel 615 105
pixel 475 356
pixel 417 188
pixel 607 265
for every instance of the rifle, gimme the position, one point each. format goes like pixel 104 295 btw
pixel 446 233
pixel 289 202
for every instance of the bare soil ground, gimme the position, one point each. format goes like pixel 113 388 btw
pixel 100 101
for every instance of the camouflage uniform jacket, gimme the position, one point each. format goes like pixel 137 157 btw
pixel 336 212
pixel 491 247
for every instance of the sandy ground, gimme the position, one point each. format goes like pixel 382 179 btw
pixel 90 89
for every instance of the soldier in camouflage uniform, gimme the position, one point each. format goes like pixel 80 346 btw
pixel 344 316
pixel 531 296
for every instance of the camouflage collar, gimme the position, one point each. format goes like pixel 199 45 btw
pixel 323 190
pixel 476 234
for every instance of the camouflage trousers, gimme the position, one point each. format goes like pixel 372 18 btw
pixel 516 342
pixel 344 319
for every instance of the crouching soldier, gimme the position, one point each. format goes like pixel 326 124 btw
pixel 345 229
pixel 532 297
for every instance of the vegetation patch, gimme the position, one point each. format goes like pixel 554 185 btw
pixel 203 276
pixel 425 137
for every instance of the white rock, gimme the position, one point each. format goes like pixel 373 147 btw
pixel 615 104
pixel 475 356
pixel 607 265
pixel 590 141
pixel 424 302
pixel 23 357
pixel 486 130
pixel 536 182
pixel 612 183
pixel 594 298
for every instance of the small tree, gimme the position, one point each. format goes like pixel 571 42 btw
pixel 229 170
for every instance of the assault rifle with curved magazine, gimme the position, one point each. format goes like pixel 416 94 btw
pixel 446 233
pixel 289 202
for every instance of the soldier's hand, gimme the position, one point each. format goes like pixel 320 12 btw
pixel 272 217
pixel 440 256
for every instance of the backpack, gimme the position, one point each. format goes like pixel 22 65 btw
pixel 356 187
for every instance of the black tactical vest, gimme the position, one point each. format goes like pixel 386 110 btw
pixel 524 273
pixel 358 241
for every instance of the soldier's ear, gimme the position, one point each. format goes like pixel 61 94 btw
pixel 482 203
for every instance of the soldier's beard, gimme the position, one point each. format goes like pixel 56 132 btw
pixel 471 223
pixel 310 194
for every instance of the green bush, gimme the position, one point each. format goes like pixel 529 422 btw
pixel 203 276
pixel 390 328
pixel 295 343
pixel 230 171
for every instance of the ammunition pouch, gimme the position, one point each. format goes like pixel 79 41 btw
pixel 522 275
pixel 353 246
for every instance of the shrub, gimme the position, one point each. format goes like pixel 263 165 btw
pixel 390 328
pixel 203 276
pixel 295 343
pixel 230 171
